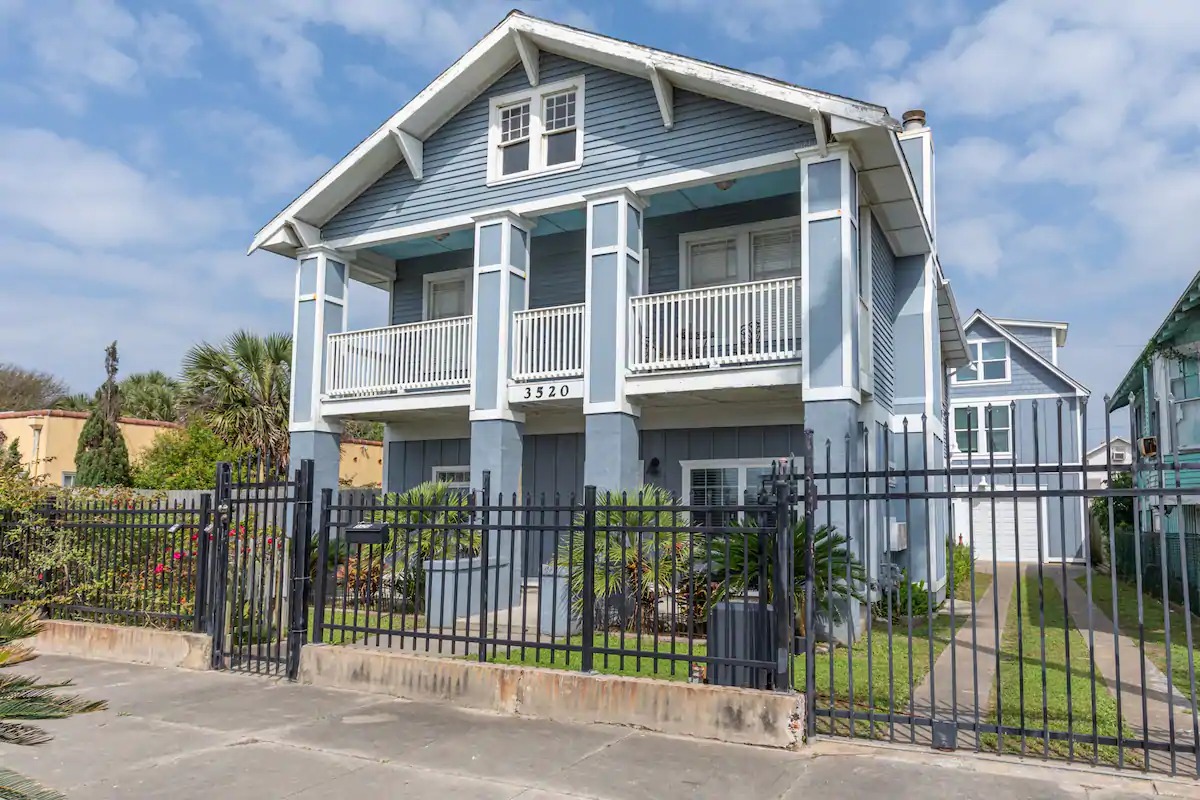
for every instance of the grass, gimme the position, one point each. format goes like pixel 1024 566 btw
pixel 608 664
pixel 1155 626
pixel 1067 683
pixel 962 590
pixel 362 619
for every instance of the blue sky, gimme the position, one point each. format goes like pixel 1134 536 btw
pixel 142 144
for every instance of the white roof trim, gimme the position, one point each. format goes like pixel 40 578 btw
pixel 1060 328
pixel 1103 446
pixel 497 52
pixel 1027 350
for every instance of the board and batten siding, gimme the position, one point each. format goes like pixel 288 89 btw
pixel 412 463
pixel 673 446
pixel 883 317
pixel 552 475
pixel 624 140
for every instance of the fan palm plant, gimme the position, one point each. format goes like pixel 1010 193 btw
pixel 642 554
pixel 837 572
pixel 150 395
pixel 240 390
pixel 24 697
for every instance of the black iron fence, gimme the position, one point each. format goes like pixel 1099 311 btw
pixel 129 561
pixel 631 583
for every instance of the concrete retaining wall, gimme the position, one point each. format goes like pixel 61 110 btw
pixel 709 712
pixel 124 643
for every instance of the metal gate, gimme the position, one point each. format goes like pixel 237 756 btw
pixel 256 572
pixel 1005 605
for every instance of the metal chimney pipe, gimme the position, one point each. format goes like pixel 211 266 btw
pixel 914 119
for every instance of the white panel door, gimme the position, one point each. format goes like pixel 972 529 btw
pixel 1004 523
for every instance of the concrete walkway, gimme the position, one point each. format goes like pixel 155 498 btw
pixel 185 735
pixel 1164 707
pixel 960 685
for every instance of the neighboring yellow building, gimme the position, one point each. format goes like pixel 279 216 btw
pixel 47 440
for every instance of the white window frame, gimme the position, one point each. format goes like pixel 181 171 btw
pixel 981 431
pixel 979 380
pixel 466 274
pixel 536 97
pixel 865 292
pixel 742 235
pixel 740 464
pixel 437 472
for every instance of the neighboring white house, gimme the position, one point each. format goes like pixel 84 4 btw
pixel 1122 453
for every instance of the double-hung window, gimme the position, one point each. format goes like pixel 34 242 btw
pixel 982 429
pixel 1184 383
pixel 990 363
pixel 536 132
pixel 448 294
pixel 758 252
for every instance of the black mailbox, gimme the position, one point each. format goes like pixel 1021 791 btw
pixel 367 533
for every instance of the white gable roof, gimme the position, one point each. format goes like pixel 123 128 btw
pixel 517 39
pixel 1026 349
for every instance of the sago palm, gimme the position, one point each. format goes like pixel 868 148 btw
pixel 24 697
pixel 642 553
pixel 240 389
pixel 837 572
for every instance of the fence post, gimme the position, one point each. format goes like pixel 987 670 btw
pixel 785 625
pixel 203 548
pixel 219 563
pixel 810 638
pixel 301 530
pixel 322 566
pixel 589 579
pixel 483 564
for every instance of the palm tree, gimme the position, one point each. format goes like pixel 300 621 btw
pixel 240 390
pixel 24 697
pixel 150 395
pixel 75 402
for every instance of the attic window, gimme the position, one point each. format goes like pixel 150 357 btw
pixel 536 132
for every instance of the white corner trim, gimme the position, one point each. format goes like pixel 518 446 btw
pixel 528 53
pixel 412 149
pixel 664 93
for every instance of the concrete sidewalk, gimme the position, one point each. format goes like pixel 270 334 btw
pixel 182 735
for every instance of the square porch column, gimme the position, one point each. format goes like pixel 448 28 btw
pixel 322 275
pixel 614 274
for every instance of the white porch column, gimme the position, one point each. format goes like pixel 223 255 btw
pixel 614 274
pixel 322 275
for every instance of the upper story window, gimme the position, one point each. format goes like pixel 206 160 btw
pixel 536 132
pixel 758 252
pixel 990 363
pixel 1184 378
pixel 448 294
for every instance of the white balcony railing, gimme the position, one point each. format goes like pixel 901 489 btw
pixel 399 358
pixel 548 343
pixel 743 323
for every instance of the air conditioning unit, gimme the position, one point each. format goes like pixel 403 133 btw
pixel 1148 446
pixel 897 536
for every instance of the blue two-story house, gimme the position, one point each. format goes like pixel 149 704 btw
pixel 1014 406
pixel 612 265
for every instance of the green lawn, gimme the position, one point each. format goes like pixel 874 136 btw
pixel 1155 631
pixel 610 664
pixel 1023 670
pixel 366 619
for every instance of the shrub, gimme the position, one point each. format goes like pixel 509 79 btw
pixel 102 458
pixel 183 459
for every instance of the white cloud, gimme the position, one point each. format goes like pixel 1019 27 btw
pixel 268 155
pixel 889 51
pixel 838 57
pixel 277 35
pixel 371 80
pixel 974 244
pixel 752 20
pixel 81 45
pixel 85 195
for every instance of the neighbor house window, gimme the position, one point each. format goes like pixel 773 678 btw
pixel 722 483
pixel 989 363
pixel 448 294
pixel 536 131
pixel 68 480
pixel 1184 378
pixel 458 478
pixel 758 252
pixel 990 425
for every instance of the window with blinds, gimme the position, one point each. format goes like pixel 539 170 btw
pixel 775 254
pixel 713 263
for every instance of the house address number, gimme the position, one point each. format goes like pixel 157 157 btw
pixel 545 391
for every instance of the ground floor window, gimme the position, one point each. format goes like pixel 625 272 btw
pixel 458 478
pixel 722 483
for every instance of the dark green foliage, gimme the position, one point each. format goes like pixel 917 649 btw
pixel 362 429
pixel 963 560
pixel 102 458
pixel 837 572
pixel 183 459
pixel 908 599
pixel 10 454
pixel 1122 507
pixel 75 402
pixel 150 395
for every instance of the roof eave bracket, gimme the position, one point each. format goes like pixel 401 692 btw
pixel 412 149
pixel 822 131
pixel 528 52
pixel 664 93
